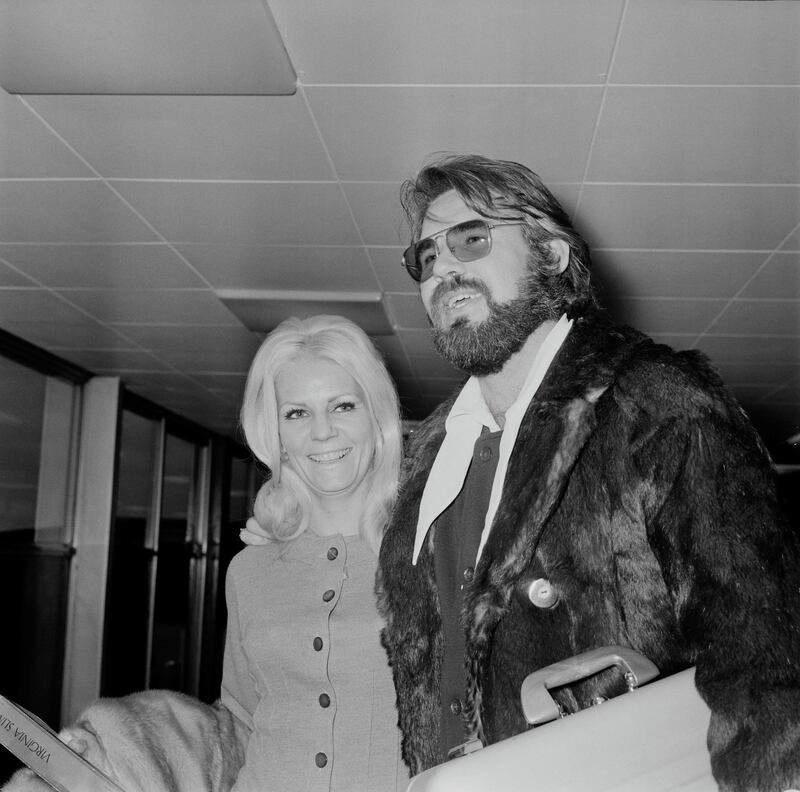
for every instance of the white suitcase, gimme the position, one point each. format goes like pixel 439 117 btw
pixel 652 739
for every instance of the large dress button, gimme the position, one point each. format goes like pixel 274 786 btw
pixel 456 706
pixel 333 552
pixel 328 595
pixel 321 759
pixel 324 700
pixel 468 574
pixel 317 644
pixel 485 454
pixel 542 593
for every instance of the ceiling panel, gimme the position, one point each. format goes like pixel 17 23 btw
pixel 760 317
pixel 751 349
pixel 291 268
pixel 142 46
pixel 29 150
pixel 710 217
pixel 725 42
pixel 10 277
pixel 67 211
pixel 112 360
pixel 147 306
pixel 26 305
pixel 39 329
pixel 661 315
pixel 190 137
pixel 102 266
pixel 450 41
pixel 551 128
pixel 778 279
pixel 674 273
pixel 678 134
pixel 244 213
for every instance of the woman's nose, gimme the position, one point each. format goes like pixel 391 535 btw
pixel 322 427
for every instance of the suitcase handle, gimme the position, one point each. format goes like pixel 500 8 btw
pixel 538 705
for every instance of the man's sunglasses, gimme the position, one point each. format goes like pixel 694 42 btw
pixel 467 241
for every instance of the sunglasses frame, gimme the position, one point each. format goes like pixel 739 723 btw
pixel 443 233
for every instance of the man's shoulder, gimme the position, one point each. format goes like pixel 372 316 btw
pixel 662 380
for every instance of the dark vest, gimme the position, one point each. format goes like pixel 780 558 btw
pixel 458 534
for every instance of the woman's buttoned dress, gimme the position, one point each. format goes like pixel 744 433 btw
pixel 305 670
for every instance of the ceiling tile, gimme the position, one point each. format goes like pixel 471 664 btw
pixel 30 150
pixel 88 334
pixel 421 42
pixel 102 266
pixel 790 394
pixel 756 349
pixel 157 380
pixel 10 277
pixel 66 211
pixel 748 373
pixel 163 338
pixel 760 317
pixel 190 137
pixel 741 217
pixel 225 380
pixel 674 134
pixel 25 305
pixel 792 242
pixel 275 268
pixel 563 120
pixel 263 311
pixel 440 388
pixel 108 360
pixel 709 42
pixel 433 368
pixel 149 306
pixel 779 279
pixel 746 393
pixel 234 359
pixel 391 274
pixel 666 315
pixel 418 343
pixel 244 213
pixel 149 47
pixel 406 310
pixel 673 273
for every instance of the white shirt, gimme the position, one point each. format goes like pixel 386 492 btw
pixel 464 423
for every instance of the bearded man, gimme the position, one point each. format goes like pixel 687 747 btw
pixel 586 487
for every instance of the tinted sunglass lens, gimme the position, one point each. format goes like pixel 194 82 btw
pixel 469 241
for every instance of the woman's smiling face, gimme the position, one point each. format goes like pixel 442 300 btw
pixel 325 425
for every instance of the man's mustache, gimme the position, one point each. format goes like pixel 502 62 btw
pixel 445 287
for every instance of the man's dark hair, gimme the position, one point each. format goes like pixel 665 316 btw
pixel 502 190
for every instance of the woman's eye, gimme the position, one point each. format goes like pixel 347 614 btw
pixel 475 239
pixel 294 414
pixel 344 407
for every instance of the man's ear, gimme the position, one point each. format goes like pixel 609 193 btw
pixel 560 250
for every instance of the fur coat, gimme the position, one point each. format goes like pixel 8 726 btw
pixel 639 490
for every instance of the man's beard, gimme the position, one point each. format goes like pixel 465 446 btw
pixel 483 348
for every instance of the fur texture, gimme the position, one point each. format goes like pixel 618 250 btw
pixel 156 741
pixel 638 488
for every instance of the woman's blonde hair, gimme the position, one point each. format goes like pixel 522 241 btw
pixel 283 505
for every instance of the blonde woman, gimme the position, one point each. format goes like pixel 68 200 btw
pixel 307 700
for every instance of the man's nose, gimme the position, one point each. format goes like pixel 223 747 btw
pixel 322 427
pixel 446 263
